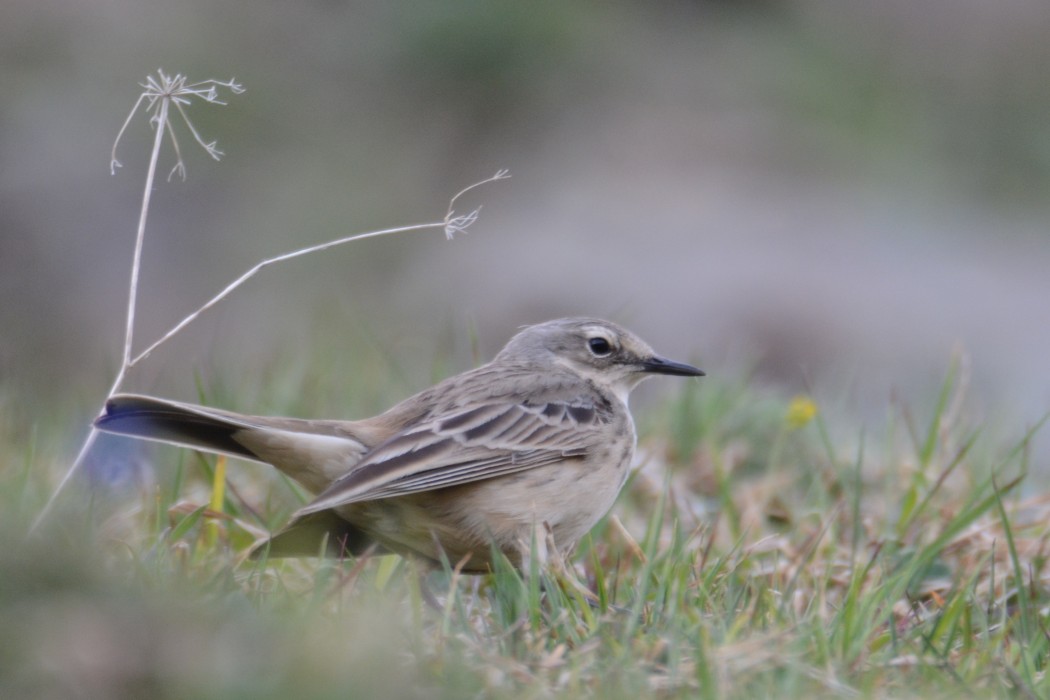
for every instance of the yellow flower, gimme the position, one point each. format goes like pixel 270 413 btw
pixel 800 411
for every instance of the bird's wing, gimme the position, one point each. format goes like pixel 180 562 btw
pixel 480 442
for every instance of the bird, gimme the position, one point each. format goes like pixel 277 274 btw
pixel 540 437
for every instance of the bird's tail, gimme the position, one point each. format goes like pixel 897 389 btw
pixel 187 425
pixel 313 452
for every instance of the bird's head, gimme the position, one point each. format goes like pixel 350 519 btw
pixel 601 351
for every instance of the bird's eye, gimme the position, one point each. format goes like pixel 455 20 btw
pixel 600 347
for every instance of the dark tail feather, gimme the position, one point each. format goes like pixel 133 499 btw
pixel 180 424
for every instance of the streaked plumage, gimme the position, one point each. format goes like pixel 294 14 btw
pixel 540 436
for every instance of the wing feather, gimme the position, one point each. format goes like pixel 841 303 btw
pixel 472 444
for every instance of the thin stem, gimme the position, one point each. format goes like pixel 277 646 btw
pixel 266 263
pixel 451 224
pixel 75 466
pixel 113 162
pixel 458 224
pixel 140 236
pixel 502 174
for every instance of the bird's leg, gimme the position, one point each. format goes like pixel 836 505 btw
pixel 544 551
pixel 562 571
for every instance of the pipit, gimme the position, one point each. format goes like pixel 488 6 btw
pixel 541 437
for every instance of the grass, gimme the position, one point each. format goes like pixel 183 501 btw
pixel 753 554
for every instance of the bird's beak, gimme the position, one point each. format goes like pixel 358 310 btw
pixel 659 365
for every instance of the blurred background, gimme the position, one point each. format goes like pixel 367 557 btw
pixel 831 195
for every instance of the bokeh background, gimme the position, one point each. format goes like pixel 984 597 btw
pixel 831 195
